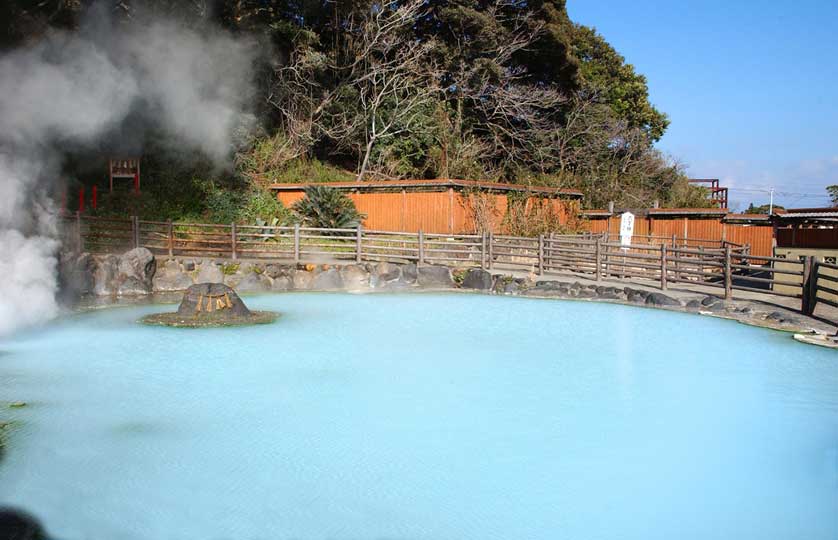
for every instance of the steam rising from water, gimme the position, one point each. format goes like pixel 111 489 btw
pixel 75 91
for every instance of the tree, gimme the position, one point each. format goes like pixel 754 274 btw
pixel 762 209
pixel 833 194
pixel 605 72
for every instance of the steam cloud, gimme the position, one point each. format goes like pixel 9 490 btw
pixel 74 91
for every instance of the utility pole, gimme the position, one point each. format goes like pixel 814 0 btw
pixel 770 201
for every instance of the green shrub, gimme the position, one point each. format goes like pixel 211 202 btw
pixel 328 208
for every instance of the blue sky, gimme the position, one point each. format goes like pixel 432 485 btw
pixel 750 87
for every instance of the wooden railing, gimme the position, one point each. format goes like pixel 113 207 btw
pixel 724 265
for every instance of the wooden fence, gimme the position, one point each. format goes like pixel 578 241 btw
pixel 666 260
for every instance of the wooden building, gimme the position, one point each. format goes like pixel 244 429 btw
pixel 435 206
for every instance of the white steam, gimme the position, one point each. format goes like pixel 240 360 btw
pixel 73 91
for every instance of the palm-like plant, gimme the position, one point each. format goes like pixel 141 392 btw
pixel 327 208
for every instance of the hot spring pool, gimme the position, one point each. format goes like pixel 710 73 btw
pixel 422 417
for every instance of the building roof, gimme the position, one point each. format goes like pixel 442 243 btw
pixel 374 185
pixel 748 217
pixel 688 211
pixel 833 214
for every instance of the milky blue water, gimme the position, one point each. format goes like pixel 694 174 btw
pixel 422 417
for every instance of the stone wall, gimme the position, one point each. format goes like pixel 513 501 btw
pixel 138 273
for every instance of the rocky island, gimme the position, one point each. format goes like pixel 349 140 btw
pixel 208 305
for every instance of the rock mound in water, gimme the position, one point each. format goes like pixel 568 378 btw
pixel 210 304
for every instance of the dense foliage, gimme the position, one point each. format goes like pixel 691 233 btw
pixel 481 89
pixel 327 208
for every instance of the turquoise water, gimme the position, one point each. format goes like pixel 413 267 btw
pixel 422 417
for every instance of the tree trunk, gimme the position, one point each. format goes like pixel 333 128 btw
pixel 362 170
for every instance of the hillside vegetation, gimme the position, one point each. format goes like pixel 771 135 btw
pixel 499 90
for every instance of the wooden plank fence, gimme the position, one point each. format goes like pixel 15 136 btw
pixel 666 260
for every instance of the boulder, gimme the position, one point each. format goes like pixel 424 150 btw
pixel 435 277
pixel 282 283
pixel 274 271
pixel 76 274
pixel 385 273
pixel 660 299
pixel 170 277
pixel 328 280
pixel 254 282
pixel 354 277
pixel 138 264
pixel 410 273
pixel 104 275
pixel 478 279
pixel 209 272
pixel 303 280
pixel 132 287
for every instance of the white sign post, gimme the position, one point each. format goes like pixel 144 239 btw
pixel 626 228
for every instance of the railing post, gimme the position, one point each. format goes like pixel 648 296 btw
pixel 170 233
pixel 540 254
pixel 79 238
pixel 491 254
pixel 421 247
pixel 598 258
pixel 358 244
pixel 809 291
pixel 135 231
pixel 728 275
pixel 233 240
pixel 663 266
pixel 483 251
pixel 296 242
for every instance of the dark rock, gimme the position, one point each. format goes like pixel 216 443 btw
pixel 708 300
pixel 660 299
pixel 189 265
pixel 586 293
pixel 694 304
pixel 410 273
pixel 328 280
pixel 17 525
pixel 385 273
pixel 138 264
pixel 209 294
pixel 716 306
pixel 634 295
pixel 513 287
pixel 435 277
pixel 550 285
pixel 478 279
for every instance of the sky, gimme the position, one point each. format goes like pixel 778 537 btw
pixel 750 88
